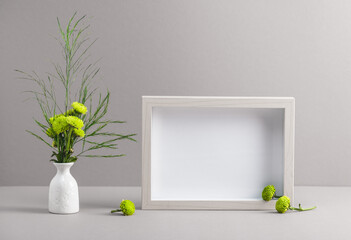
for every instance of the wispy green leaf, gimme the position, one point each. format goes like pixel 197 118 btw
pixel 40 138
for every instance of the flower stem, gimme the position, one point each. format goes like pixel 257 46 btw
pixel 117 210
pixel 302 209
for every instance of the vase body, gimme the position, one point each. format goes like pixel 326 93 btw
pixel 63 191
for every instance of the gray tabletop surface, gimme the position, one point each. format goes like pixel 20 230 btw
pixel 24 215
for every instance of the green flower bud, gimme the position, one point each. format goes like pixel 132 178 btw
pixel 283 204
pixel 79 107
pixel 74 122
pixel 127 208
pixel 79 132
pixel 268 193
pixel 59 124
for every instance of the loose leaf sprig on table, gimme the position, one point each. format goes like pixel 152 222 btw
pixel 82 123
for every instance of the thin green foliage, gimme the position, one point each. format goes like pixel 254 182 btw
pixel 77 76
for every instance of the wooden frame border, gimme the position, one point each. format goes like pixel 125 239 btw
pixel 287 103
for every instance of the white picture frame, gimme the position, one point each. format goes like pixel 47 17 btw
pixel 216 153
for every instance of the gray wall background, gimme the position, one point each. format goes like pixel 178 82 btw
pixel 186 47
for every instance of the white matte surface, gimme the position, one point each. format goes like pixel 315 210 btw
pixel 243 147
pixel 24 215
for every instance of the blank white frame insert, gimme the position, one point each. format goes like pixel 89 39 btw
pixel 216 152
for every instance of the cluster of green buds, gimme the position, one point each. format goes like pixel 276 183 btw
pixel 283 202
pixel 127 207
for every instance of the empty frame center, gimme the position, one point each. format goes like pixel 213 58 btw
pixel 212 153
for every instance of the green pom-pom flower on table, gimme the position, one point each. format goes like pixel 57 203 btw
pixel 283 204
pixel 269 193
pixel 127 207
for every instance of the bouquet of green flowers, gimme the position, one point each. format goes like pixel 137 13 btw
pixel 78 121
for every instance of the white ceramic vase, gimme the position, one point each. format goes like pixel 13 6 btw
pixel 63 192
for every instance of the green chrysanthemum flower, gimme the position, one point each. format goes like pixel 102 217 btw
pixel 51 120
pixel 127 208
pixel 50 132
pixel 75 121
pixel 79 107
pixel 79 132
pixel 60 124
pixel 282 204
pixel 268 193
